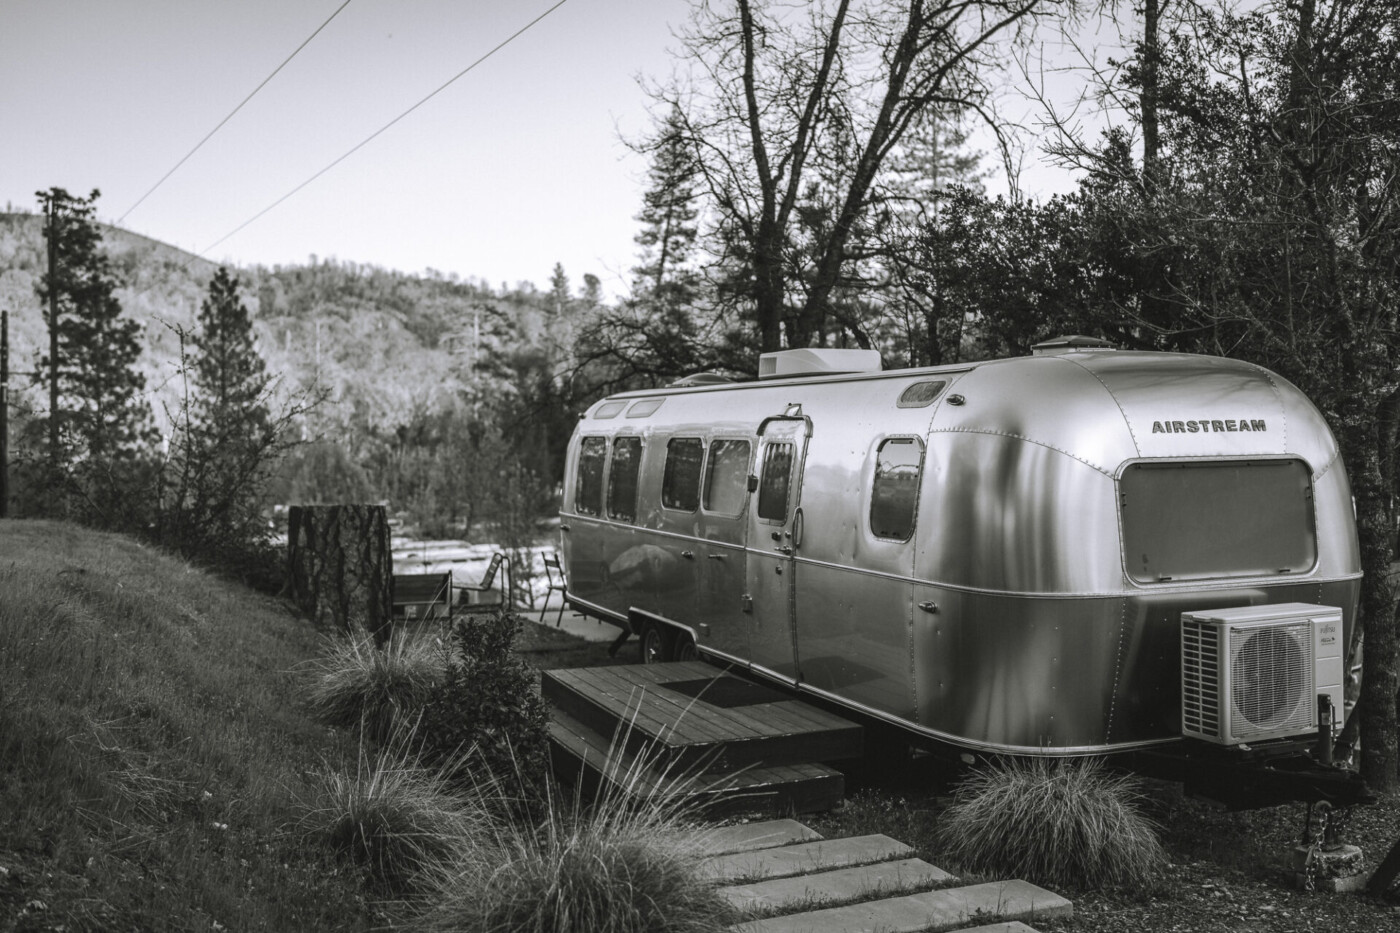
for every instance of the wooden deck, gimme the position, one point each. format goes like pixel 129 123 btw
pixel 692 728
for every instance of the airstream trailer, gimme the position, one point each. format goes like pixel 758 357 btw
pixel 1084 551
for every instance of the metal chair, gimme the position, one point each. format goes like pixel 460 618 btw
pixel 484 586
pixel 553 567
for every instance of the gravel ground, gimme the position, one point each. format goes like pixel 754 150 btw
pixel 1227 870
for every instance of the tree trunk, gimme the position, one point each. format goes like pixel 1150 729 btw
pixel 1380 756
pixel 1151 55
pixel 339 568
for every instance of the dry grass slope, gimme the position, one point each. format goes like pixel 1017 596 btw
pixel 152 746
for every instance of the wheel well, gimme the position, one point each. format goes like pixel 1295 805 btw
pixel 638 619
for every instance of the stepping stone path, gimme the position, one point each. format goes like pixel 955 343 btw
pixel 791 880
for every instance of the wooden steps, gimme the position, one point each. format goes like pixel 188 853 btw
pixel 728 744
pixel 804 884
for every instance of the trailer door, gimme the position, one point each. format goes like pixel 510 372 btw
pixel 774 535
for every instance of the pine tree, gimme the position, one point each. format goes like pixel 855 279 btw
pixel 558 290
pixel 230 378
pixel 226 440
pixel 669 232
pixel 99 429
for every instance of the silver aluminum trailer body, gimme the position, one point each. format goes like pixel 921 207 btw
pixel 995 556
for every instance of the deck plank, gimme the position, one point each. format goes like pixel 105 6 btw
pixel 579 753
pixel 665 721
pixel 690 731
pixel 778 718
pixel 718 722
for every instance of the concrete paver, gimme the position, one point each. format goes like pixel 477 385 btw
pixel 805 858
pixel 934 911
pixel 746 837
pixel 841 886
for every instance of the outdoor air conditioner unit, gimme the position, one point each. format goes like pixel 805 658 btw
pixel 1255 672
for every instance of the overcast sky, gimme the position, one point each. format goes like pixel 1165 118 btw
pixel 516 166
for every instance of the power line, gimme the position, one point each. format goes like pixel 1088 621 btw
pixel 364 142
pixel 235 110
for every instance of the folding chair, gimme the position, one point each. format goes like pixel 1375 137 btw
pixel 485 586
pixel 552 566
pixel 422 595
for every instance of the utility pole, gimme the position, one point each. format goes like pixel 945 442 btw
pixel 51 234
pixel 4 414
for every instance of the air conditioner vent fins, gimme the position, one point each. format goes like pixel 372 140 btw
pixel 1253 673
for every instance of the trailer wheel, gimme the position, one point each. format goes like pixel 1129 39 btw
pixel 685 648
pixel 656 643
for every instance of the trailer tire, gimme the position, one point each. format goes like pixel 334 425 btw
pixel 684 649
pixel 657 643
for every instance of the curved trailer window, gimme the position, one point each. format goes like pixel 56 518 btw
pixel 1222 518
pixel 894 499
pixel 680 481
pixel 622 478
pixel 588 489
pixel 726 477
pixel 774 482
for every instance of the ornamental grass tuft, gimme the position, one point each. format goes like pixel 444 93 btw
pixel 376 690
pixel 1060 822
pixel 625 862
pixel 398 821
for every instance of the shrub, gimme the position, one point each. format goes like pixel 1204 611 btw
pixel 378 690
pixel 623 865
pixel 486 710
pixel 393 818
pixel 1063 822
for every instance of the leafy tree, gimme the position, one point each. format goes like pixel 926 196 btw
pixel 99 425
pixel 995 276
pixel 321 472
pixel 1266 225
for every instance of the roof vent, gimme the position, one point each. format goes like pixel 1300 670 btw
pixel 817 361
pixel 1070 343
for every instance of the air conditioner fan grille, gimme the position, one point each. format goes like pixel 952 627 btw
pixel 1271 678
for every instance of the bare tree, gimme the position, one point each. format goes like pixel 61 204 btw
pixel 794 112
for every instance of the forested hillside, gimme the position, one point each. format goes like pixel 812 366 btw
pixel 416 372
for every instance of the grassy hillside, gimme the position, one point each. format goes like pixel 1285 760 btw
pixel 153 752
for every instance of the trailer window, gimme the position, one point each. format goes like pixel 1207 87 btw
pixel 921 394
pixel 727 477
pixel 645 408
pixel 680 482
pixel 899 462
pixel 773 484
pixel 609 409
pixel 1191 521
pixel 588 489
pixel 622 479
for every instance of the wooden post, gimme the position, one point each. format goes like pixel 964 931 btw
pixel 339 567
